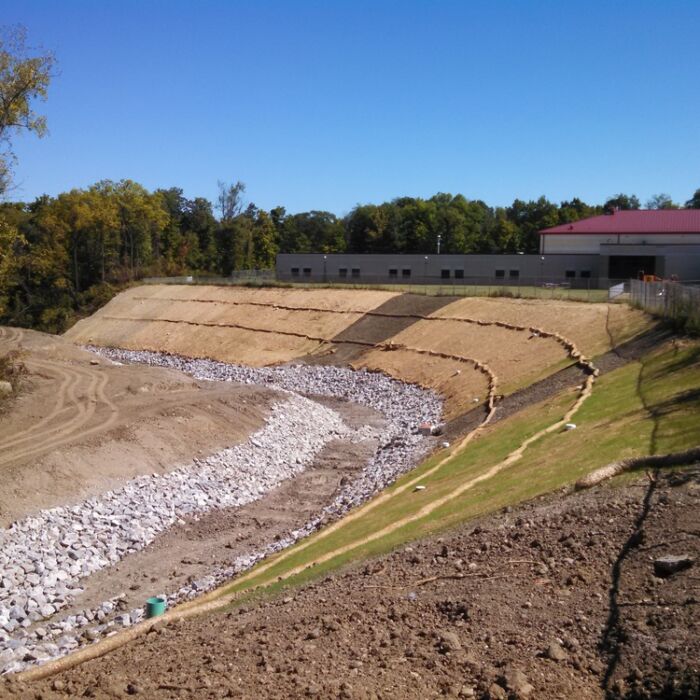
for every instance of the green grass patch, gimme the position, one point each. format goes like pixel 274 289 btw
pixel 646 407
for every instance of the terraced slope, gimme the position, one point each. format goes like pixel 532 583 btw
pixel 435 342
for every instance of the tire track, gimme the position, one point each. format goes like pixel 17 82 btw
pixel 59 408
pixel 80 395
pixel 46 439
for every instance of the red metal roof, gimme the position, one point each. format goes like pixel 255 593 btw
pixel 635 221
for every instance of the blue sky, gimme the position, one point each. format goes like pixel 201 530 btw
pixel 323 105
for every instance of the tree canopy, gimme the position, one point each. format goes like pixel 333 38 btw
pixel 24 78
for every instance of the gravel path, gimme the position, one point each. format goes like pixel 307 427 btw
pixel 43 558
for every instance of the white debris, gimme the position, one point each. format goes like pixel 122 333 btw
pixel 44 557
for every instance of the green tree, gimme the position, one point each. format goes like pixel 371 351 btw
pixel 694 201
pixel 24 78
pixel 530 218
pixel 198 220
pixel 264 242
pixel 622 202
pixel 661 201
pixel 230 200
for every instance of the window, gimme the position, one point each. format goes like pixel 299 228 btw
pixel 459 274
pixel 406 272
pixel 342 272
pixel 514 274
pixel 500 274
pixel 295 272
pixel 393 272
pixel 307 272
pixel 445 274
pixel 570 273
pixel 585 274
pixel 355 272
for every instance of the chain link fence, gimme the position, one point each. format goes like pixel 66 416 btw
pixel 672 300
pixel 542 287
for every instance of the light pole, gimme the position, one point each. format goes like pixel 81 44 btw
pixel 541 270
pixel 425 270
pixel 439 239
pixel 325 277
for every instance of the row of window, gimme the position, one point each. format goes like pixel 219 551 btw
pixel 444 274
pixel 342 272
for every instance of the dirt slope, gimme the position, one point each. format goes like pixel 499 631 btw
pixel 267 326
pixel 183 320
pixel 82 426
pixel 558 595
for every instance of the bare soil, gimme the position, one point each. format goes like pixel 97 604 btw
pixel 169 318
pixel 339 326
pixel 81 426
pixel 558 594
pixel 593 327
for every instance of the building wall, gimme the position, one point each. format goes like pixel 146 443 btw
pixel 555 243
pixel 578 270
pixel 682 261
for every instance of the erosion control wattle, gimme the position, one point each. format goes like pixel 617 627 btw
pixel 155 606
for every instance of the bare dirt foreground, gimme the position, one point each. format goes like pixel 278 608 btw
pixel 81 426
pixel 558 598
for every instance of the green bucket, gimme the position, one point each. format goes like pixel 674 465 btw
pixel 155 606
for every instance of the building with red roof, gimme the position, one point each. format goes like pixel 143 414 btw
pixel 663 242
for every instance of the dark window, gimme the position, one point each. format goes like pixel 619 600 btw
pixel 500 274
pixel 393 272
pixel 295 272
pixel 355 271
pixel 405 272
pixel 570 273
pixel 307 272
pixel 459 274
pixel 445 274
pixel 514 274
pixel 585 274
pixel 342 272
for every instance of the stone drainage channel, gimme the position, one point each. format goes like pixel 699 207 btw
pixel 44 557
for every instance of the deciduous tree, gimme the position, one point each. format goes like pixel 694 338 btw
pixel 25 75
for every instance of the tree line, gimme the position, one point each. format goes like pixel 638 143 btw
pixel 66 255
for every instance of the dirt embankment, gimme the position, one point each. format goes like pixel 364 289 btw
pixel 82 426
pixel 557 598
pixel 343 326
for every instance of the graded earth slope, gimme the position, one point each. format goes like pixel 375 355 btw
pixel 435 342
pixel 82 425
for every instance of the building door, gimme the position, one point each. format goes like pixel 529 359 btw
pixel 623 267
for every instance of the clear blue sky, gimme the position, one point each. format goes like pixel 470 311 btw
pixel 323 105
